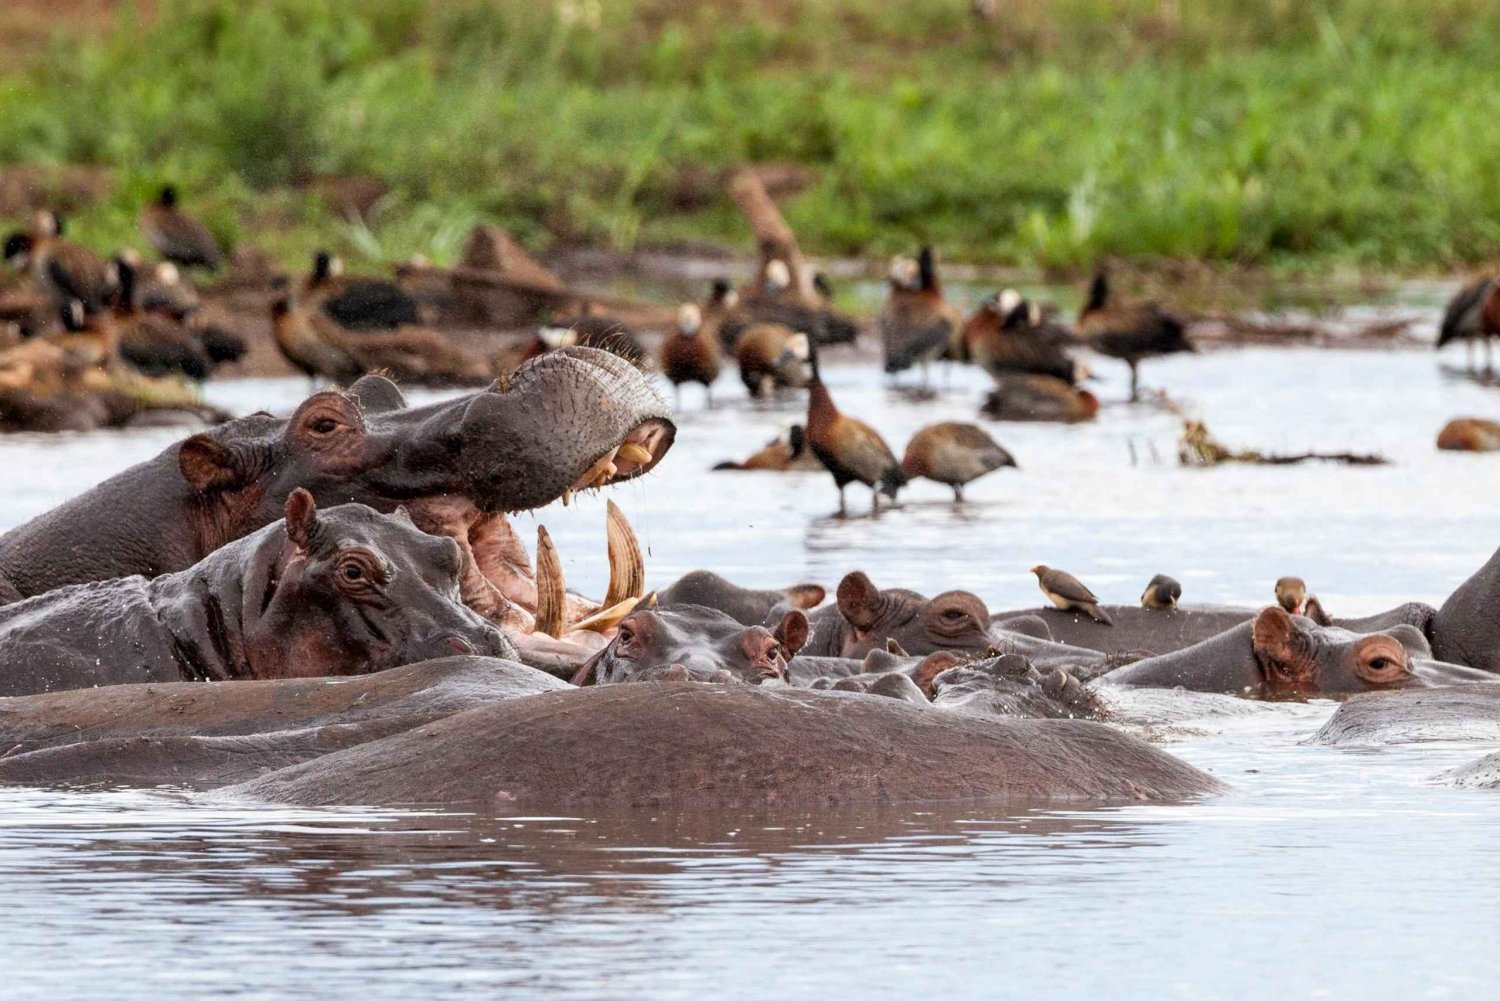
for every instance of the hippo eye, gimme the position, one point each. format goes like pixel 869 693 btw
pixel 325 425
pixel 360 573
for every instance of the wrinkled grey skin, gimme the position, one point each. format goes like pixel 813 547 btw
pixel 1003 685
pixel 1460 712
pixel 205 736
pixel 1143 632
pixel 686 746
pixel 1010 685
pixel 274 604
pixel 692 643
pixel 865 617
pixel 1279 655
pixel 748 606
pixel 512 447
pixel 1466 629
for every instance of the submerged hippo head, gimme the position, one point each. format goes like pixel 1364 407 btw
pixel 1297 657
pixel 1009 685
pixel 349 590
pixel 694 643
pixel 871 618
pixel 1283 656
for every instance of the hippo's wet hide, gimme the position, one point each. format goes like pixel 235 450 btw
pixel 1481 774
pixel 707 746
pixel 203 735
pixel 1145 632
pixel 1459 712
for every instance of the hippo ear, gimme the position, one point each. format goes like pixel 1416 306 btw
pixel 402 514
pixel 208 465
pixel 859 600
pixel 376 394
pixel 806 596
pixel 301 519
pixel 792 632
pixel 1283 649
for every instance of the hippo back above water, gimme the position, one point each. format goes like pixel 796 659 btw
pixel 346 590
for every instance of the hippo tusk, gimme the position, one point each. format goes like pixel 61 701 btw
pixel 607 617
pixel 637 454
pixel 627 567
pixel 551 597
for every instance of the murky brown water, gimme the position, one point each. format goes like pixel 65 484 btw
pixel 1328 874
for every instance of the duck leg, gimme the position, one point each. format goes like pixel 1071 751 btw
pixel 1135 382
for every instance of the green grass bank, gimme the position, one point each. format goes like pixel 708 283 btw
pixel 1285 134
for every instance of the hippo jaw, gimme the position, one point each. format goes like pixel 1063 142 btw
pixel 574 419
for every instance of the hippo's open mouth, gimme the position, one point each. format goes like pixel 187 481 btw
pixel 499 581
pixel 637 454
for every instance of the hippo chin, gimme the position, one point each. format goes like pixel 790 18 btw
pixel 573 419
pixel 347 590
pixel 1281 656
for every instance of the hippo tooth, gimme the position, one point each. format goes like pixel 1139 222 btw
pixel 607 617
pixel 635 453
pixel 567 497
pixel 551 594
pixel 627 567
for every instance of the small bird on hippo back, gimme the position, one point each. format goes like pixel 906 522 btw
pixel 1069 593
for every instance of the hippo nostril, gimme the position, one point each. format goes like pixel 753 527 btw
pixel 458 645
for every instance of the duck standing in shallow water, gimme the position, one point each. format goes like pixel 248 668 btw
pixel 954 453
pixel 916 324
pixel 1130 331
pixel 691 353
pixel 1463 320
pixel 848 448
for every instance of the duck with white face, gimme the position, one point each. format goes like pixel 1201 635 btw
pixel 690 353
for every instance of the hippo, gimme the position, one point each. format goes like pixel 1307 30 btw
pixel 1001 685
pixel 745 605
pixel 664 745
pixel 1010 685
pixel 1457 712
pixel 1144 632
pixel 1278 655
pixel 204 736
pixel 346 590
pixel 695 643
pixel 866 617
pixel 573 419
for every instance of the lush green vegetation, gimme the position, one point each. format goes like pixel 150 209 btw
pixel 1266 132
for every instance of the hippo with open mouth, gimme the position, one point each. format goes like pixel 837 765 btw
pixel 346 590
pixel 575 419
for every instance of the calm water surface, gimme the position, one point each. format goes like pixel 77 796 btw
pixel 1326 874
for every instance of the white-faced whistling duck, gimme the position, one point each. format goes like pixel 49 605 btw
pixel 771 357
pixel 916 325
pixel 1129 331
pixel 954 453
pixel 690 353
pixel 177 236
pixel 1464 319
pixel 357 302
pixel 849 449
